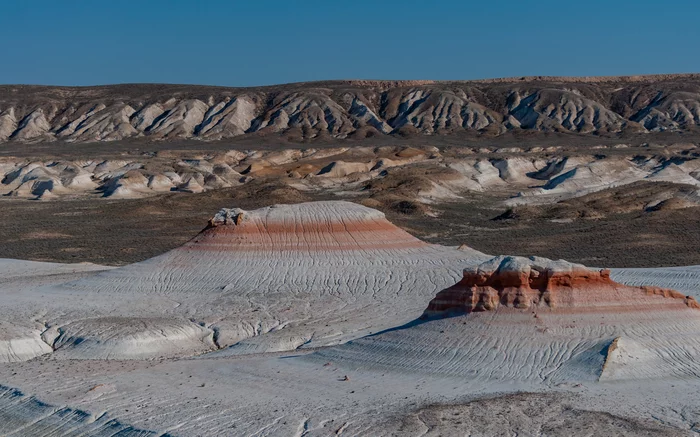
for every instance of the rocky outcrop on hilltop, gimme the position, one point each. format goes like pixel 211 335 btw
pixel 531 283
pixel 343 109
pixel 533 319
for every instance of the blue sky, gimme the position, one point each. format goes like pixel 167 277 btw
pixel 245 43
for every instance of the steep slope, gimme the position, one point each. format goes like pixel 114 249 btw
pixel 675 111
pixel 438 111
pixel 343 109
pixel 562 110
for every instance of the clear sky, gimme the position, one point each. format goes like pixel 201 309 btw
pixel 255 42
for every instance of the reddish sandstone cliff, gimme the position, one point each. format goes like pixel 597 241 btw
pixel 532 283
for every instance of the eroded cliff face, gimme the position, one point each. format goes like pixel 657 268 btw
pixel 538 283
pixel 343 109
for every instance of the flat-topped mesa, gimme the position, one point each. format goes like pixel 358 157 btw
pixel 525 283
pixel 312 226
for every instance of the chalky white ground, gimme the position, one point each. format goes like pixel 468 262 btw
pixel 303 320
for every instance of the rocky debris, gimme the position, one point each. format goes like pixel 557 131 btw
pixel 540 283
pixel 557 415
pixel 227 217
pixel 350 109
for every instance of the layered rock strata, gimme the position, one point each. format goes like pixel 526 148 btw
pixel 536 320
pixel 539 283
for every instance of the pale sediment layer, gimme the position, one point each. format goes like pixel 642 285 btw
pixel 514 318
pixel 273 279
pixel 318 226
pixel 103 352
pixel 386 176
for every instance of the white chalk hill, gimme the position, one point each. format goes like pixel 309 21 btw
pixel 274 279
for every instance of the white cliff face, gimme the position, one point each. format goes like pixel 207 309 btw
pixel 33 126
pixel 144 118
pixel 227 119
pixel 552 109
pixel 8 123
pixel 102 124
pixel 315 111
pixel 367 117
pixel 342 109
pixel 675 111
pixel 433 111
pixel 180 121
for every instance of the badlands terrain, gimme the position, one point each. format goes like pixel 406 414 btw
pixel 355 109
pixel 351 258
pixel 323 318
pixel 543 200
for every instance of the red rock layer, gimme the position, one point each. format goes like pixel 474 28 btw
pixel 575 288
pixel 286 229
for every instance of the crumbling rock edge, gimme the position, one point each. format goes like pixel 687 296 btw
pixel 531 283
